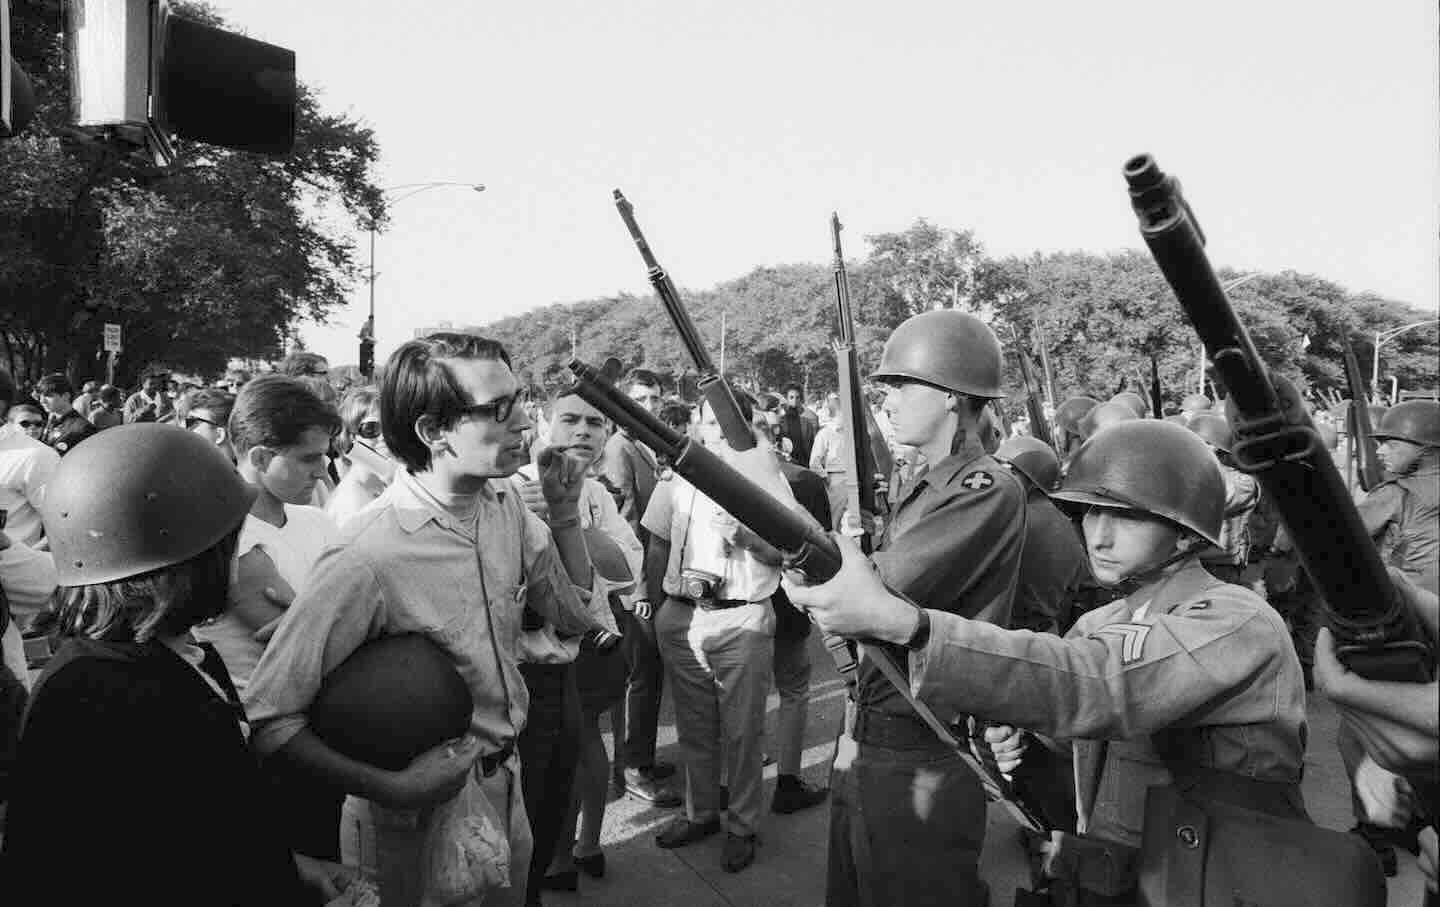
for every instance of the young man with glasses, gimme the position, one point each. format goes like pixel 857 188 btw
pixel 451 551
pixel 206 412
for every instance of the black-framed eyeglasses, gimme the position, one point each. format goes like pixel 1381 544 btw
pixel 369 430
pixel 192 421
pixel 499 410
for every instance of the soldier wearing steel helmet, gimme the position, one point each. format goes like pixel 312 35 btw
pixel 1105 415
pixel 1067 425
pixel 1137 403
pixel 1403 514
pixel 953 541
pixel 1053 565
pixel 1186 679
pixel 134 731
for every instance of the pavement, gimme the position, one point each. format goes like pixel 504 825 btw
pixel 789 869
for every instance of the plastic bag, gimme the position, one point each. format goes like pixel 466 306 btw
pixel 467 849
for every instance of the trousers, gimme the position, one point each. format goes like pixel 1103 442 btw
pixel 792 682
pixel 549 748
pixel 720 665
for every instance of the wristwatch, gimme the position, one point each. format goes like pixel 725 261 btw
pixel 921 637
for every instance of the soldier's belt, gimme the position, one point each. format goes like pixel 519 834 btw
pixel 896 732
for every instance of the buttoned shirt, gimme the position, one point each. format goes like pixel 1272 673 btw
pixel 1198 666
pixel 25 467
pixel 630 467
pixel 406 565
pixel 1403 515
pixel 953 544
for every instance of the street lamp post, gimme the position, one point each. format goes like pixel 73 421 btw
pixel 1383 337
pixel 1200 357
pixel 406 190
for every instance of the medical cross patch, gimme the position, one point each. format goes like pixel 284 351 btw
pixel 976 481
pixel 1133 636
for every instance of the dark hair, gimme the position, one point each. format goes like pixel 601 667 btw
pixel 354 404
pixel 301 363
pixel 417 382
pixel 163 602
pixel 23 408
pixel 792 386
pixel 676 414
pixel 768 403
pixel 747 404
pixel 7 387
pixel 642 376
pixel 218 402
pixel 54 383
pixel 274 411
pixel 110 395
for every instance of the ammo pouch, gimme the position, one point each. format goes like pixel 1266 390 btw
pixel 1219 854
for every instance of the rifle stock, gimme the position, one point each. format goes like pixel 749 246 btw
pixel 1357 418
pixel 1157 408
pixel 1034 405
pixel 805 545
pixel 1277 442
pixel 712 384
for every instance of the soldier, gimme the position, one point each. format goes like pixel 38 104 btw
pixel 1139 404
pixel 1105 415
pixel 1242 493
pixel 1067 425
pixel 1403 512
pixel 1190 680
pixel 1053 565
pixel 1194 404
pixel 65 427
pixel 953 543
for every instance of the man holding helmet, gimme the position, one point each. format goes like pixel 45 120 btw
pixel 1185 680
pixel 952 543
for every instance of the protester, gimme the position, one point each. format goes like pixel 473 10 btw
pixel 28 419
pixel 414 561
pixel 304 364
pixel 64 427
pixel 370 468
pixel 107 411
pixel 151 403
pixel 798 424
pixel 206 412
pixel 88 397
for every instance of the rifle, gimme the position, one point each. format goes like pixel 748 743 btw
pixel 805 546
pixel 1034 406
pixel 866 453
pixel 712 384
pixel 1156 400
pixel 1277 442
pixel 1369 471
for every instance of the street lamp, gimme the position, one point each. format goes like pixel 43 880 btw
pixel 1383 337
pixel 400 193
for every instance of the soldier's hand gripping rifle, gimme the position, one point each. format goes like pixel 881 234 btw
pixel 1276 441
pixel 805 545
pixel 1357 418
pixel 712 384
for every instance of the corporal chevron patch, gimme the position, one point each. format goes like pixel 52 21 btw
pixel 1133 636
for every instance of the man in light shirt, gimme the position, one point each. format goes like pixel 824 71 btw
pixel 25 466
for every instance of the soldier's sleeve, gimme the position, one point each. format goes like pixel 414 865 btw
pixel 1380 508
pixel 969 533
pixel 1201 665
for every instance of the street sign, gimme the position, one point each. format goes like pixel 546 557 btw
pixel 112 338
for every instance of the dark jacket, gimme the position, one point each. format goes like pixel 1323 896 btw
pixel 134 785
pixel 64 432
pixel 809 491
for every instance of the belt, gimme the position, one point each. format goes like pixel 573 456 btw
pixel 490 764
pixel 896 732
pixel 714 604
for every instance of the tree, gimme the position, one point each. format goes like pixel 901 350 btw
pixel 216 256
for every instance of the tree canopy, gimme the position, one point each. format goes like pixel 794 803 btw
pixel 214 256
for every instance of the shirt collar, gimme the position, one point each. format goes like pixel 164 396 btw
pixel 944 472
pixel 414 508
pixel 1185 584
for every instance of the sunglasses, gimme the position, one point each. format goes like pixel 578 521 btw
pixel 368 430
pixel 192 421
pixel 499 410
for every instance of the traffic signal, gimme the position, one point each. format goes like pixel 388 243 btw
pixel 367 357
pixel 144 75
pixel 17 96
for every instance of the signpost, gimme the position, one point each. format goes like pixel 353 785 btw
pixel 112 347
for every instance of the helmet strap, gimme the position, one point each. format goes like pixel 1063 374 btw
pixel 1136 581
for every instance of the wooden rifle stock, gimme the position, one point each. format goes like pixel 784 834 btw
pixel 1277 442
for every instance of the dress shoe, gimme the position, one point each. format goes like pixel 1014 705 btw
pixel 569 880
pixel 593 865
pixel 793 794
pixel 739 852
pixel 682 831
pixel 1379 842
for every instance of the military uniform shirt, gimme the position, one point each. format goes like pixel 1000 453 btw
pixel 953 544
pixel 1403 514
pixel 1207 663
pixel 1052 567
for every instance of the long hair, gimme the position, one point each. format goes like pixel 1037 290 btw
pixel 164 602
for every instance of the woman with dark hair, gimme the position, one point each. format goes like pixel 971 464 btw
pixel 134 732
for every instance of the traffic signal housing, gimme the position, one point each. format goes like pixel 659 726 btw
pixel 142 75
pixel 367 357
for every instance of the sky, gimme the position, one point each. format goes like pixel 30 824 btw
pixel 1306 136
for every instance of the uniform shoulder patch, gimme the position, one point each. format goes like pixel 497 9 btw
pixel 1132 636
pixel 978 480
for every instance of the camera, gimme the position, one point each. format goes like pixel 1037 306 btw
pixel 698 584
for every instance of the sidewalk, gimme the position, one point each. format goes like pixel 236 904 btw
pixel 789 869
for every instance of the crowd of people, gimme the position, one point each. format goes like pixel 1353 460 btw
pixel 185 570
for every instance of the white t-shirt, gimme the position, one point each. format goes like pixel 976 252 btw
pixel 294 548
pixel 25 467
